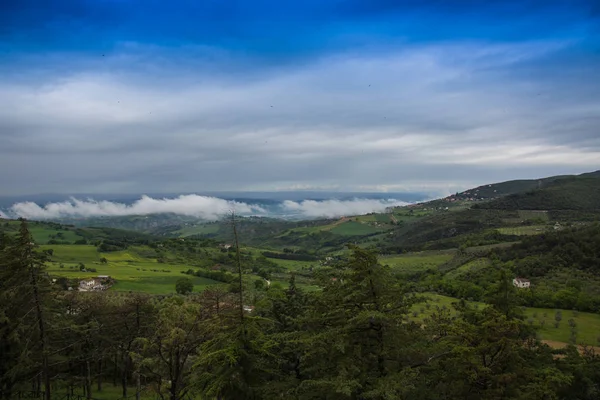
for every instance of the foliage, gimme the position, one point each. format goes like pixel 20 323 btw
pixel 184 286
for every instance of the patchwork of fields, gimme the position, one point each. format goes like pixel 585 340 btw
pixel 131 272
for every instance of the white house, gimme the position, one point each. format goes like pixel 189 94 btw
pixel 521 283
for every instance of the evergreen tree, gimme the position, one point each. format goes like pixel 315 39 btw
pixel 358 343
pixel 23 319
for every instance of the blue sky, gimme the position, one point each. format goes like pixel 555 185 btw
pixel 149 96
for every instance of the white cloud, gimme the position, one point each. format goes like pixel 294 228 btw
pixel 349 121
pixel 2 215
pixel 205 207
pixel 210 208
pixel 337 208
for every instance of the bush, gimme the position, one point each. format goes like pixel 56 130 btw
pixel 184 286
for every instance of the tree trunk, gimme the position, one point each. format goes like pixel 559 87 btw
pixel 42 329
pixel 138 386
pixel 88 380
pixel 99 375
pixel 124 374
pixel 116 371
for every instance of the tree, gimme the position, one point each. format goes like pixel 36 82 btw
pixel 103 260
pixel 23 319
pixel 236 359
pixel 355 346
pixel 167 355
pixel 184 286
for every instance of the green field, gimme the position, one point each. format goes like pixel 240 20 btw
pixel 523 230
pixel 472 266
pixel 532 214
pixel 72 253
pixel 353 228
pixel 42 234
pixel 415 262
pixel 587 324
pixel 489 247
pixel 294 265
pixel 131 271
pixel 198 230
pixel 383 218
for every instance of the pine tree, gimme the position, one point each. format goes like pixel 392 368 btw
pixel 23 319
pixel 357 346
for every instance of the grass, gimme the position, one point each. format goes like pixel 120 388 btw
pixel 72 253
pixel 587 324
pixel 42 234
pixel 293 265
pixel 523 230
pixel 131 271
pixel 489 247
pixel 353 228
pixel 415 262
pixel 532 214
pixel 198 230
pixel 474 265
pixel 383 218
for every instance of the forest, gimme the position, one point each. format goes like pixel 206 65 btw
pixel 357 338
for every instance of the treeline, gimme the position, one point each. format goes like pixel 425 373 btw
pixel 358 338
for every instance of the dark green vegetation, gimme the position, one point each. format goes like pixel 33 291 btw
pixel 414 303
pixel 365 335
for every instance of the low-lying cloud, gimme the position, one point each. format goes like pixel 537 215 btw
pixel 205 207
pixel 338 208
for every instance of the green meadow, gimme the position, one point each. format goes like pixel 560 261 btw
pixel 587 325
pixel 523 230
pixel 131 272
pixel 353 228
pixel 415 262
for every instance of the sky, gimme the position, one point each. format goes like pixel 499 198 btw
pixel 132 96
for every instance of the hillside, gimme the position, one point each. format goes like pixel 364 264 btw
pixel 574 193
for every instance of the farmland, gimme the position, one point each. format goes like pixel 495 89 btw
pixel 587 325
pixel 131 271
pixel 523 230
pixel 416 262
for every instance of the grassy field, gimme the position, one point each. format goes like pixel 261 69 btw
pixel 415 262
pixel 42 234
pixel 474 265
pixel 532 214
pixel 489 247
pixel 198 230
pixel 353 228
pixel 131 271
pixel 71 253
pixel 587 324
pixel 294 265
pixel 523 230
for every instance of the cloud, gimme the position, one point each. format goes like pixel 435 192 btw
pixel 204 207
pixel 432 112
pixel 337 208
pixel 209 208
pixel 2 215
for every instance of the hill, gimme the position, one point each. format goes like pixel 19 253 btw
pixel 573 193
